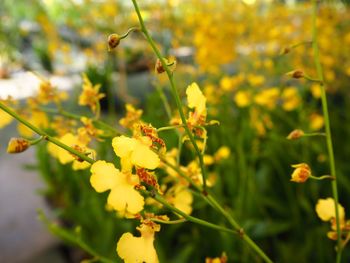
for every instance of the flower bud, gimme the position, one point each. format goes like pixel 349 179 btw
pixel 297 74
pixel 159 67
pixel 295 134
pixel 17 145
pixel 301 173
pixel 285 50
pixel 113 41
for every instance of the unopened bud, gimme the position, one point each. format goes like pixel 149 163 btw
pixel 301 173
pixel 285 50
pixel 158 68
pixel 297 74
pixel 17 145
pixel 295 134
pixel 113 41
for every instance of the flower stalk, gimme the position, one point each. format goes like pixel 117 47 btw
pixel 320 76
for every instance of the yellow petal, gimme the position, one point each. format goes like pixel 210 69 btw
pixel 123 145
pixel 144 157
pixel 5 119
pixel 195 98
pixel 325 209
pixel 124 197
pixel 104 176
pixel 64 156
pixel 137 249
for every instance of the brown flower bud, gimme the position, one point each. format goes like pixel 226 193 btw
pixel 285 50
pixel 297 74
pixel 159 67
pixel 113 41
pixel 17 145
pixel 295 134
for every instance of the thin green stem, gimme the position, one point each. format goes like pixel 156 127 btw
pixel 70 237
pixel 327 126
pixel 131 29
pixel 167 128
pixel 45 135
pixel 170 222
pixel 322 177
pixel 161 200
pixel 212 201
pixel 314 134
pixel 174 91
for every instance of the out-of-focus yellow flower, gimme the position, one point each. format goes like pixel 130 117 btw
pixel 222 259
pixel 65 157
pixel 90 95
pixel 208 159
pixel 301 173
pixel 181 198
pixel 196 99
pixel 135 152
pixel 48 93
pixel 38 119
pixel 132 117
pixel 291 99
pixel 316 91
pixel 316 121
pixel 222 153
pixel 243 98
pixel 123 196
pixel 255 80
pixel 5 119
pixel 267 98
pixel 139 249
pixel 325 209
pixel 88 131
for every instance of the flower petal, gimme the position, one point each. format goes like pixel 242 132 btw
pixel 104 176
pixel 125 197
pixel 144 157
pixel 123 145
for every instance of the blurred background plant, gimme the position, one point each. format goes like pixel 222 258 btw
pixel 239 53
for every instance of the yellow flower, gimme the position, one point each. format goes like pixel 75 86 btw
pixel 181 198
pixel 291 99
pixel 316 121
pixel 90 95
pixel 135 152
pixel 316 91
pixel 66 157
pixel 138 249
pixel 38 119
pixel 325 209
pixel 267 98
pixel 132 116
pixel 123 196
pixel 222 153
pixel 301 173
pixel 196 99
pixel 5 119
pixel 242 98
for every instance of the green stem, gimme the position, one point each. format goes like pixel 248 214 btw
pixel 212 201
pixel 313 134
pixel 46 136
pixel 132 29
pixel 167 128
pixel 161 200
pixel 174 91
pixel 70 237
pixel 170 222
pixel 327 126
pixel 322 177
pixel 78 117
